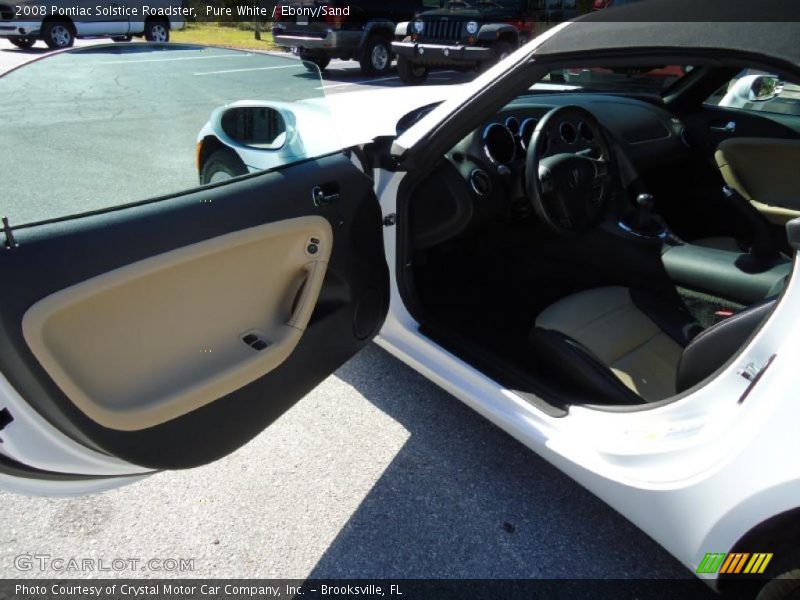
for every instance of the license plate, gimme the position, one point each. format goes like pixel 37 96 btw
pixel 302 20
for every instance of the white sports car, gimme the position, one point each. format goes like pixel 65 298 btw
pixel 607 273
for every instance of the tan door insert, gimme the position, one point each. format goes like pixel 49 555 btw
pixel 162 337
pixel 766 172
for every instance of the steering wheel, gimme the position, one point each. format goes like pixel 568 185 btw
pixel 570 189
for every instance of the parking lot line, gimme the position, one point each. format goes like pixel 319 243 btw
pixel 436 75
pixel 250 69
pixel 336 85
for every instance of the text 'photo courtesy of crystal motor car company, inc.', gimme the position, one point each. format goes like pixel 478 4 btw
pixel 592 244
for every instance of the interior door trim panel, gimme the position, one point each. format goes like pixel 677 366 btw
pixel 158 338
pixel 349 309
pixel 765 172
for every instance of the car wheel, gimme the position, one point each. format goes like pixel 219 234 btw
pixel 22 42
pixel 156 31
pixel 312 63
pixel 410 73
pixel 376 56
pixel 58 34
pixel 221 166
pixel 122 38
pixel 785 586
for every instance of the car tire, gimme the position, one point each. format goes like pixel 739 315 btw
pixel 312 63
pixel 220 166
pixel 411 74
pixel 156 31
pixel 122 38
pixel 58 35
pixel 785 586
pixel 22 42
pixel 376 56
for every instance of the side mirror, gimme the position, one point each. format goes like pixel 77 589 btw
pixel 764 88
pixel 752 88
pixel 258 127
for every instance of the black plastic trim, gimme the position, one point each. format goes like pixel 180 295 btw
pixel 54 256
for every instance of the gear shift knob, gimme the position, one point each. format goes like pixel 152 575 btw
pixel 645 201
pixel 644 219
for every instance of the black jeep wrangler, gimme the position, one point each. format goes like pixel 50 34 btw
pixel 319 30
pixel 472 33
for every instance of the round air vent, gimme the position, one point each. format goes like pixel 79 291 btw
pixel 481 182
pixel 499 144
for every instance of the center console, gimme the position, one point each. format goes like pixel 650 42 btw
pixel 745 277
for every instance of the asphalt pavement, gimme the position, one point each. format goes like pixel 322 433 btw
pixel 376 473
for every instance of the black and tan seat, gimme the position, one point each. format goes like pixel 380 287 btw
pixel 615 345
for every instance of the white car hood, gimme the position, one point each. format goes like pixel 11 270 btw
pixel 360 117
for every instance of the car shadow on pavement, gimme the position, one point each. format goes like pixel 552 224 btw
pixel 347 75
pixel 462 499
pixel 26 51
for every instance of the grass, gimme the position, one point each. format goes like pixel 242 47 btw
pixel 215 35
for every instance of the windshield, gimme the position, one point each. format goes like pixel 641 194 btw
pixel 651 79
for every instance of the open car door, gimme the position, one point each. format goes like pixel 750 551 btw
pixel 181 262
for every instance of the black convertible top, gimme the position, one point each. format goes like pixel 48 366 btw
pixel 765 27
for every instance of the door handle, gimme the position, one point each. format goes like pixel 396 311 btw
pixel 323 196
pixel 729 127
pixel 308 294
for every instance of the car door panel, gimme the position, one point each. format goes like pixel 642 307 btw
pixel 707 128
pixel 764 171
pixel 702 210
pixel 234 308
pixel 125 328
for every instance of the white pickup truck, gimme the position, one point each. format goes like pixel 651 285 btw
pixel 59 22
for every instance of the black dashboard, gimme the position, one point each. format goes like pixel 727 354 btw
pixel 490 161
pixel 645 133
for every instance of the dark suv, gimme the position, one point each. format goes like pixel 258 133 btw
pixel 320 30
pixel 472 33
